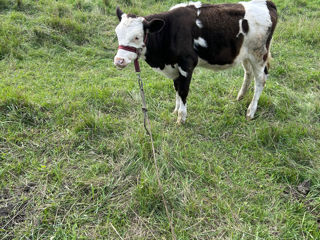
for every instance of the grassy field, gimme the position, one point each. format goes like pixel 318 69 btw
pixel 75 162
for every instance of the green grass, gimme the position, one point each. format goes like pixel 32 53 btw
pixel 75 162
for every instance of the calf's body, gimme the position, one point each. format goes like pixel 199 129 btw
pixel 194 34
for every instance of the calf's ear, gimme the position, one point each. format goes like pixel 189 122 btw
pixel 155 25
pixel 119 13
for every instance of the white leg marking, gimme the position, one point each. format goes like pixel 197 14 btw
pixel 183 73
pixel 176 109
pixel 182 112
pixel 248 74
pixel 260 79
pixel 201 42
pixel 198 12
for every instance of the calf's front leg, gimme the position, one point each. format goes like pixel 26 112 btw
pixel 181 85
pixel 176 109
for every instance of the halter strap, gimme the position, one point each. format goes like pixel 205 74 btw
pixel 135 50
pixel 130 49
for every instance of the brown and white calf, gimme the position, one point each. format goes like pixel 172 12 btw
pixel 193 34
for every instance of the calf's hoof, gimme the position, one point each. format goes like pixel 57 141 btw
pixel 182 116
pixel 180 121
pixel 240 97
pixel 250 115
pixel 249 118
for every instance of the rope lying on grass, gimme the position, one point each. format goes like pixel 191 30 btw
pixel 147 126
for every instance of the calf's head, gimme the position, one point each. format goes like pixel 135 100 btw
pixel 131 32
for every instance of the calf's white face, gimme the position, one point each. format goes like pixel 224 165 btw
pixel 130 33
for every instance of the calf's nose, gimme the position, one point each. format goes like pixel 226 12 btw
pixel 119 61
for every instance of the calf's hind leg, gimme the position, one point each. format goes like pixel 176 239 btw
pixel 259 82
pixel 248 75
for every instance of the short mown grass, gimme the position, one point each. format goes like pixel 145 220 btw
pixel 75 161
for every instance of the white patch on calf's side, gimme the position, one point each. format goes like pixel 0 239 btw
pixel 199 23
pixel 183 73
pixel 200 42
pixel 169 71
pixel 198 12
